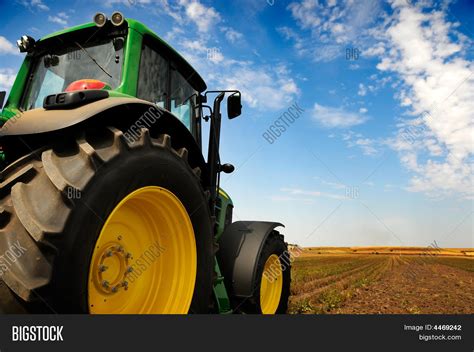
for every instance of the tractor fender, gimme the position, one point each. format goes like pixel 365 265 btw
pixel 41 120
pixel 239 252
pixel 129 113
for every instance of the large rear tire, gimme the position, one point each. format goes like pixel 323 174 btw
pixel 56 204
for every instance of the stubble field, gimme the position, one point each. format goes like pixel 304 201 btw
pixel 382 281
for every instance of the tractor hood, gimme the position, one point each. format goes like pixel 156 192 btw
pixel 41 120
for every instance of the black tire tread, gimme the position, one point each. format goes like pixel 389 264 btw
pixel 34 202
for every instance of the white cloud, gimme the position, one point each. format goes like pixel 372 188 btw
pixel 163 4
pixel 300 45
pixel 306 13
pixel 203 17
pixel 335 185
pixel 232 35
pixel 7 78
pixel 349 135
pixel 331 117
pixel 363 110
pixel 331 27
pixel 39 4
pixel 174 33
pixel 376 85
pixel 182 11
pixel 6 47
pixel 362 90
pixel 389 187
pixel 198 50
pixel 34 4
pixel 375 50
pixel 266 87
pixel 297 192
pixel 367 146
pixel 263 87
pixel 437 84
pixel 61 19
pixel 279 198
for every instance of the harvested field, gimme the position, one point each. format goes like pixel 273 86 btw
pixel 381 284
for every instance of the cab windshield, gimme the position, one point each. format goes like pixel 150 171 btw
pixel 55 70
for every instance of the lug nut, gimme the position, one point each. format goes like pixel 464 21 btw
pixel 125 284
pixel 120 249
pixel 128 255
pixel 105 283
pixel 115 289
pixel 109 253
pixel 102 268
pixel 129 269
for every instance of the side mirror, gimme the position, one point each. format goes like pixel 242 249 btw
pixel 2 98
pixel 234 105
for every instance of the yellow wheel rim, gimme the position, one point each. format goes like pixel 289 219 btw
pixel 144 260
pixel 271 285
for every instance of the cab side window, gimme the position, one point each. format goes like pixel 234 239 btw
pixel 153 77
pixel 160 83
pixel 183 99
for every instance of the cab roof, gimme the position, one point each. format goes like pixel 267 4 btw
pixel 182 65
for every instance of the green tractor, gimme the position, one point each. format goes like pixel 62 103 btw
pixel 107 205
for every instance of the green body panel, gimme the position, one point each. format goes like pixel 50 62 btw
pixel 220 292
pixel 223 203
pixel 13 102
pixel 127 88
pixel 131 63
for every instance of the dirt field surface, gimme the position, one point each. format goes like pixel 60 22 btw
pixel 382 284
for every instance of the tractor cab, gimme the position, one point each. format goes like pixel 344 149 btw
pixel 121 56
pixel 118 58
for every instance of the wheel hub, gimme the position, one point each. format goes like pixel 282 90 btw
pixel 112 268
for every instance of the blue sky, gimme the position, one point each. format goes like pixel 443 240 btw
pixel 383 152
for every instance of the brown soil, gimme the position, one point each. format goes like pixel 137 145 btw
pixel 416 286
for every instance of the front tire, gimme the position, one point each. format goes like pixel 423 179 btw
pixel 272 286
